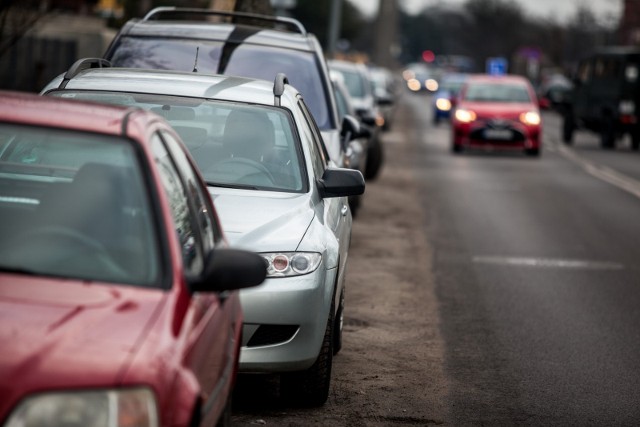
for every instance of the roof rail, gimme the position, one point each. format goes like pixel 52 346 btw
pixel 291 23
pixel 278 87
pixel 81 65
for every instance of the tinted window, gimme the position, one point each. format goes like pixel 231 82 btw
pixel 262 62
pixel 75 205
pixel 233 144
pixel 354 82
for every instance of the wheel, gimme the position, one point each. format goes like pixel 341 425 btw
pixel 248 168
pixel 354 204
pixel 375 157
pixel 568 127
pixel 607 134
pixel 635 139
pixel 338 325
pixel 310 388
pixel 225 417
pixel 533 152
pixel 436 119
pixel 456 148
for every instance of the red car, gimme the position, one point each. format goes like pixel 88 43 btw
pixel 498 112
pixel 117 301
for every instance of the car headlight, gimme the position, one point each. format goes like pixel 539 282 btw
pixel 465 116
pixel 443 104
pixel 431 85
pixel 530 118
pixel 100 408
pixel 288 264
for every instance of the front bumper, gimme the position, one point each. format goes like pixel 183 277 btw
pixel 285 321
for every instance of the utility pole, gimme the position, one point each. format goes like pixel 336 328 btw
pixel 386 42
pixel 335 19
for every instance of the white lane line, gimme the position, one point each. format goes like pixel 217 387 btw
pixel 603 173
pixel 548 262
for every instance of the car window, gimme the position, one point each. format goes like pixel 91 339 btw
pixel 180 211
pixel 354 82
pixel 341 103
pixel 233 144
pixel 496 92
pixel 74 204
pixel 208 228
pixel 262 62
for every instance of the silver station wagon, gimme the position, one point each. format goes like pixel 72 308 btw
pixel 276 192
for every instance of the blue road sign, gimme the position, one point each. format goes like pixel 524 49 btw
pixel 497 66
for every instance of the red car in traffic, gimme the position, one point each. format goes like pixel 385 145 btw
pixel 497 112
pixel 117 291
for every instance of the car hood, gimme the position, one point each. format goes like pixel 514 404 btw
pixel 263 221
pixel 498 109
pixel 61 334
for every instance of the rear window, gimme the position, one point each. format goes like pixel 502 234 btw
pixel 74 205
pixel 260 62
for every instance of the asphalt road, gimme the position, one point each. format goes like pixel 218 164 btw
pixel 537 277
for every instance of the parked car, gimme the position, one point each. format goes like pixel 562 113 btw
pixel 385 92
pixel 247 45
pixel 356 79
pixel 499 112
pixel 117 291
pixel 419 77
pixel 277 193
pixel 605 97
pixel 444 100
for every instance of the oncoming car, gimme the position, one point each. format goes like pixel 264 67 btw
pixel 277 193
pixel 497 112
pixel 117 291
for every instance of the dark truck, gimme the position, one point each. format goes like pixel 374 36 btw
pixel 606 97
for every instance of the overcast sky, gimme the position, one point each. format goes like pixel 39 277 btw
pixel 607 10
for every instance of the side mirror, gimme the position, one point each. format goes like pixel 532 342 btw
pixel 231 269
pixel 384 100
pixel 338 182
pixel 350 129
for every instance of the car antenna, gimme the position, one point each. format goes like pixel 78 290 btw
pixel 195 65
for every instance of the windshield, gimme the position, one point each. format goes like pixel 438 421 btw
pixel 246 60
pixel 236 145
pixel 74 205
pixel 354 82
pixel 497 92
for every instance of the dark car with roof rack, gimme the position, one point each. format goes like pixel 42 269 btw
pixel 232 43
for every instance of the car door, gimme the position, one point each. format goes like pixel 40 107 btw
pixel 337 215
pixel 210 329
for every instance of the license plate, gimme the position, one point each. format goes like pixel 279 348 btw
pixel 498 134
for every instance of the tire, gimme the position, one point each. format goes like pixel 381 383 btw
pixel 310 388
pixel 607 134
pixel 436 119
pixel 533 152
pixel 456 149
pixel 568 127
pixel 225 417
pixel 635 140
pixel 338 325
pixel 354 205
pixel 375 157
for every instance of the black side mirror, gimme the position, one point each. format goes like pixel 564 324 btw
pixel 350 128
pixel 338 182
pixel 231 269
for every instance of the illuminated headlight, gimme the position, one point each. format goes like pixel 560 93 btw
pixel 108 408
pixel 465 116
pixel 431 84
pixel 530 118
pixel 288 264
pixel 414 84
pixel 443 104
pixel 627 107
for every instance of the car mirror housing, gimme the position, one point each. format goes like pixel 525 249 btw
pixel 338 182
pixel 350 128
pixel 231 269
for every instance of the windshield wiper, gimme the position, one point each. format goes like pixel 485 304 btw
pixel 238 186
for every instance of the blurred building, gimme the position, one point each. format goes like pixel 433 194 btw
pixel 630 23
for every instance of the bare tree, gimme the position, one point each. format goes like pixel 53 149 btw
pixel 16 18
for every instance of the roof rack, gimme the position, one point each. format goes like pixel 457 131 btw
pixel 278 87
pixel 291 23
pixel 81 65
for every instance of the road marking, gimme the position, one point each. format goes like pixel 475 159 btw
pixel 603 173
pixel 548 262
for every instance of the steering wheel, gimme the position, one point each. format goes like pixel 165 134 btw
pixel 85 244
pixel 242 164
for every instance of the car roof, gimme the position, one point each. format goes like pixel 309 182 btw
pixel 176 83
pixel 30 109
pixel 227 32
